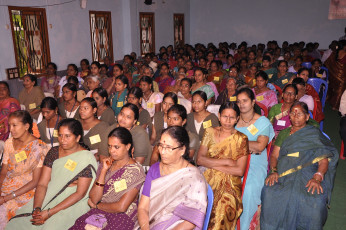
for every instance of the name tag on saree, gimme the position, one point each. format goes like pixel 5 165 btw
pixel 55 133
pixel 51 81
pixel 120 185
pixel 178 101
pixel 293 154
pixel 95 139
pixel 254 81
pixel 252 129
pixel 234 98
pixel 207 124
pixel 260 98
pixel 32 106
pixel 284 81
pixel 216 78
pixel 150 105
pixel 281 123
pixel 138 123
pixel 120 104
pixel 70 165
pixel 319 75
pixel 270 76
pixel 20 156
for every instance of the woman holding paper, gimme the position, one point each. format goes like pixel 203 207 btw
pixel 21 167
pixel 68 172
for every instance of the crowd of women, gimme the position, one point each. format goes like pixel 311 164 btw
pixel 135 144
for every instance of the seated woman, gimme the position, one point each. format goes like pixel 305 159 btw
pixel 128 118
pixel 69 171
pixel 50 82
pixel 316 71
pixel 48 127
pixel 183 203
pixel 21 166
pixel 109 83
pixel 297 65
pixel 200 85
pixel 216 74
pixel 262 93
pixel 250 76
pixel 69 107
pixel 282 77
pixel 229 93
pixel 119 98
pixel 134 97
pixel 8 105
pixel 200 119
pixel 184 94
pixel 104 111
pixel 224 152
pixel 114 196
pixel 302 96
pixel 92 82
pixel 233 72
pixel 299 185
pixel 85 68
pixel 151 101
pixel 266 67
pixel 31 96
pixel 164 79
pixel 94 135
pixel 160 118
pixel 72 70
pixel 176 116
pixel 260 132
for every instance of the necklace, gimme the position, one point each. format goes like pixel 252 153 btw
pixel 249 120
pixel 124 164
pixel 147 98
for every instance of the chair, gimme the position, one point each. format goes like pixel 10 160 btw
pixel 342 157
pixel 263 107
pixel 307 65
pixel 327 73
pixel 244 183
pixel 209 207
pixel 277 88
pixel 311 116
pixel 317 84
pixel 326 135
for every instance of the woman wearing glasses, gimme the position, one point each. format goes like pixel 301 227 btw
pixel 183 203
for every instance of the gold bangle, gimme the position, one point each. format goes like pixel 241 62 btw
pixel 316 180
pixel 99 184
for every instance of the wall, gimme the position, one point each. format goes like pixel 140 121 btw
pixel 260 21
pixel 69 37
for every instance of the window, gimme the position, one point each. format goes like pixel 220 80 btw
pixel 147 33
pixel 30 39
pixel 179 40
pixel 101 35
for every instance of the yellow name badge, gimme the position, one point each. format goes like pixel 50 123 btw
pixel 32 106
pixel 20 156
pixel 51 81
pixel 120 185
pixel 284 81
pixel 293 154
pixel 95 139
pixel 70 165
pixel 254 81
pixel 234 98
pixel 270 76
pixel 260 98
pixel 150 105
pixel 138 123
pixel 252 129
pixel 319 75
pixel 207 124
pixel 120 104
pixel 216 78
pixel 55 133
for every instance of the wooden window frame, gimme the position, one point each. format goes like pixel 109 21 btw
pixel 45 33
pixel 141 14
pixel 110 33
